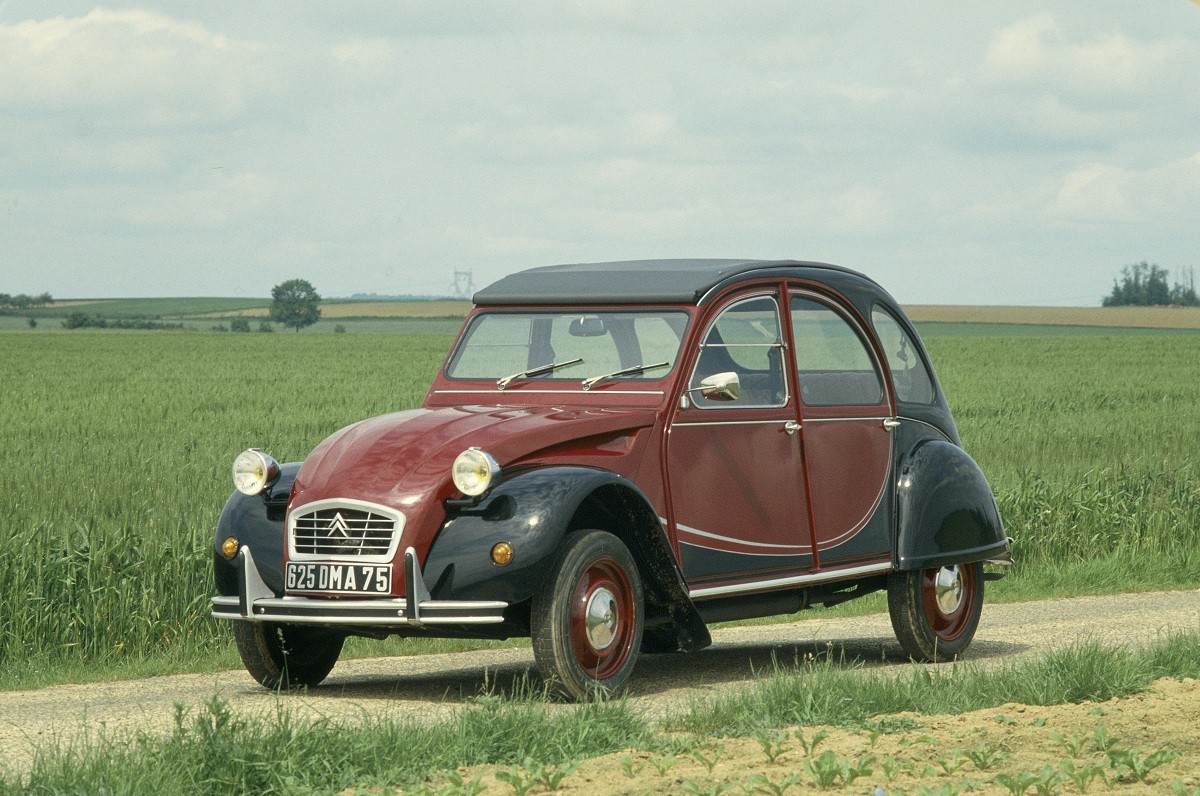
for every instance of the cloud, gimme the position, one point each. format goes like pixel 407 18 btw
pixel 1037 53
pixel 131 68
pixel 1099 193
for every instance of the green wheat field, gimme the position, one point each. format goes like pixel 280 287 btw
pixel 116 448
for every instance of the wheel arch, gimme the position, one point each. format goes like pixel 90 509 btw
pixel 621 509
pixel 534 510
pixel 945 510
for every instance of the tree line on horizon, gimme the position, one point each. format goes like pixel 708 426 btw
pixel 24 302
pixel 1145 285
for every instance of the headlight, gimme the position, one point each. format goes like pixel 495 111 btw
pixel 473 472
pixel 253 470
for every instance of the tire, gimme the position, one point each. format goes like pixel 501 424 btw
pixel 930 630
pixel 285 656
pixel 594 586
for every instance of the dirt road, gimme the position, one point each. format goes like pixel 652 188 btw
pixel 433 685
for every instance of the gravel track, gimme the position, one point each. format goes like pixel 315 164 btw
pixel 432 686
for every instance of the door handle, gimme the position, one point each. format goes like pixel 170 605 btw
pixel 791 427
pixel 890 424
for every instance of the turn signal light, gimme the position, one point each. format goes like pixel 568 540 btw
pixel 502 553
pixel 230 547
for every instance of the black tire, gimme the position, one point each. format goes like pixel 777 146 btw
pixel 286 656
pixel 935 612
pixel 596 579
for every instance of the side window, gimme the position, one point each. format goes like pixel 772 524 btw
pixel 832 362
pixel 911 380
pixel 744 339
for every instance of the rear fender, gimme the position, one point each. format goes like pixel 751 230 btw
pixel 258 522
pixel 946 513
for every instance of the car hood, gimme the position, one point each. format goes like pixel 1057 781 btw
pixel 403 459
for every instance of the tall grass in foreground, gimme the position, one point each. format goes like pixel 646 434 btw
pixel 218 752
pixel 117 447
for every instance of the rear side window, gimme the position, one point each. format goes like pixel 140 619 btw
pixel 912 381
pixel 832 363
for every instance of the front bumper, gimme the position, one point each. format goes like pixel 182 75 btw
pixel 256 602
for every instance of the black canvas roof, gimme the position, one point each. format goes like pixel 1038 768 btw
pixel 629 282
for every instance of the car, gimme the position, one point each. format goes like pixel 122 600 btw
pixel 613 457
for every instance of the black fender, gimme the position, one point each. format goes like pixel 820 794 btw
pixel 533 510
pixel 946 513
pixel 257 521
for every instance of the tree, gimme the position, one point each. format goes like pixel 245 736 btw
pixel 294 303
pixel 1145 285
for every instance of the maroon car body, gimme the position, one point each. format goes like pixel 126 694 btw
pixel 661 444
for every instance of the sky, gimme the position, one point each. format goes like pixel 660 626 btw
pixel 959 153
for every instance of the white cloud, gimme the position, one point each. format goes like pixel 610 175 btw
pixel 1098 193
pixel 1038 52
pixel 130 67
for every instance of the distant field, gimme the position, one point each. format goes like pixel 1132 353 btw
pixel 364 309
pixel 146 307
pixel 1138 317
pixel 202 311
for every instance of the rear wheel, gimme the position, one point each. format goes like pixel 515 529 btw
pixel 286 656
pixel 587 617
pixel 935 611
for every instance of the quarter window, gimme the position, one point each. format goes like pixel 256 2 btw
pixel 910 378
pixel 833 365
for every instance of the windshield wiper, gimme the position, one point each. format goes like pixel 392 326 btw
pixel 507 380
pixel 592 382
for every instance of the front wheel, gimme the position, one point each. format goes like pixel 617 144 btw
pixel 586 619
pixel 286 656
pixel 935 611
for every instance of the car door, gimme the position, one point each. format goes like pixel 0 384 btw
pixel 735 467
pixel 847 414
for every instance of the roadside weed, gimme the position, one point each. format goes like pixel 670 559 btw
pixel 984 756
pixel 761 783
pixel 631 767
pixel 772 743
pixel 1081 775
pixel 710 760
pixel 1073 745
pixel 1135 767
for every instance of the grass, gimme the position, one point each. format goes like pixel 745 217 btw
pixel 1145 317
pixel 148 307
pixel 825 692
pixel 216 751
pixel 118 444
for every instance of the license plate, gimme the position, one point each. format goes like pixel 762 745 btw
pixel 336 578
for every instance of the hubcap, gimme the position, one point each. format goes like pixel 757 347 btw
pixel 948 588
pixel 600 618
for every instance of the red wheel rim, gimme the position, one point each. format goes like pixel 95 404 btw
pixel 948 596
pixel 602 618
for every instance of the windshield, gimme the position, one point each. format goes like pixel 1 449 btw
pixel 499 345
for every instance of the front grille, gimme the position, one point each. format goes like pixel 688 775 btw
pixel 343 531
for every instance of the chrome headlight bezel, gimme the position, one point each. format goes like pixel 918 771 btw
pixel 254 471
pixel 474 471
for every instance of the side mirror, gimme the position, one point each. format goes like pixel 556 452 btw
pixel 720 387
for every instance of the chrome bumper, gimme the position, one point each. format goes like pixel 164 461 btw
pixel 256 602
